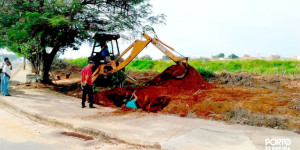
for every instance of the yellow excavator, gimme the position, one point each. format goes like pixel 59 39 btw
pixel 108 64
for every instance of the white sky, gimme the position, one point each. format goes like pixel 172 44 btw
pixel 4 51
pixel 202 28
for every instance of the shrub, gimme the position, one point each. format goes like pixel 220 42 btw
pixel 146 57
pixel 243 116
pixel 221 55
pixel 206 74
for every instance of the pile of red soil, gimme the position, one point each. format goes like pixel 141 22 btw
pixel 192 80
pixel 157 93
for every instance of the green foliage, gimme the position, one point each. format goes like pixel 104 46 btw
pixel 206 74
pixel 59 21
pixel 221 55
pixel 233 56
pixel 146 57
pixel 95 89
pixel 119 78
pixel 78 61
pixel 135 85
pixel 142 65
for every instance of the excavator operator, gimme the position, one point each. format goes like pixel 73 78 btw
pixel 104 51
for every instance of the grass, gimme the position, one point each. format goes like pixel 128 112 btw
pixel 207 68
pixel 78 61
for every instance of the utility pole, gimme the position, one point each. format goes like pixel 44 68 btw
pixel 24 61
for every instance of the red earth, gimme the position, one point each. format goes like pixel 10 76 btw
pixel 193 96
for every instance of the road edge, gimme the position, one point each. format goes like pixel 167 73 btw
pixel 81 130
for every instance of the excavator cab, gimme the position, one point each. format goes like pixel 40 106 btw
pixel 99 54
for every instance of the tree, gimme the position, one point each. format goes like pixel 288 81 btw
pixel 221 55
pixel 146 57
pixel 166 58
pixel 233 56
pixel 29 27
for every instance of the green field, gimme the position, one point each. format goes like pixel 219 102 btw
pixel 206 68
pixel 289 68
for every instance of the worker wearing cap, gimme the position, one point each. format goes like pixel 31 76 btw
pixel 87 84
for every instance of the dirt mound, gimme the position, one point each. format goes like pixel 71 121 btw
pixel 157 93
pixel 193 80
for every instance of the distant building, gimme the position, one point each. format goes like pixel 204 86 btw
pixel 274 57
pixel 246 56
pixel 191 58
pixel 296 57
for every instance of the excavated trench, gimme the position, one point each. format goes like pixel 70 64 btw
pixel 157 93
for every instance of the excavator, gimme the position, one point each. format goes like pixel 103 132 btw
pixel 113 61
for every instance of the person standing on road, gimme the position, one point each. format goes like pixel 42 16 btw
pixel 5 78
pixel 1 75
pixel 87 84
pixel 1 68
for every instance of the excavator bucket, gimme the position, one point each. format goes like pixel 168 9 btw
pixel 179 71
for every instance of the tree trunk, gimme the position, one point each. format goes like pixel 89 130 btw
pixel 34 66
pixel 47 63
pixel 36 62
